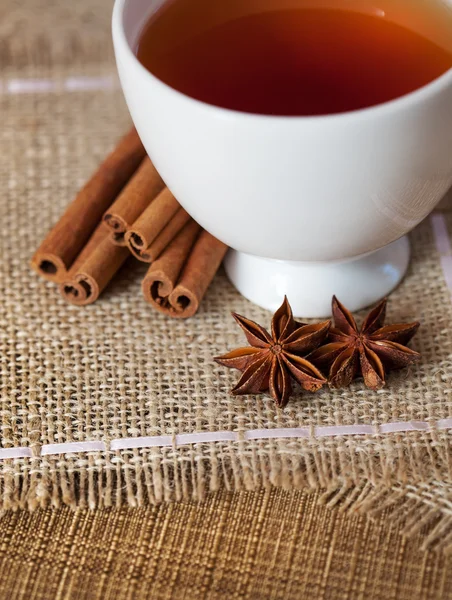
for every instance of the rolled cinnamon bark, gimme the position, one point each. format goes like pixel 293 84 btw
pixel 66 240
pixel 177 281
pixel 139 193
pixel 165 237
pixel 151 223
pixel 94 268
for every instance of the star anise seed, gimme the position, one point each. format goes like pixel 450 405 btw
pixel 273 360
pixel 371 351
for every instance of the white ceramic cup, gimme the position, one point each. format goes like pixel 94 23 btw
pixel 311 206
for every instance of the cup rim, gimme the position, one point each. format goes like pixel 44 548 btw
pixel 379 110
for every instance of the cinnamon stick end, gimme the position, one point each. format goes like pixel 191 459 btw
pixel 136 246
pixel 118 228
pixel 184 305
pixel 176 303
pixel 80 292
pixel 49 267
pixel 156 288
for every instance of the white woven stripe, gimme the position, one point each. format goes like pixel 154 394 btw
pixel 48 86
pixel 442 241
pixel 72 447
pixel 8 453
pixel 205 437
pixel 443 245
pixel 262 434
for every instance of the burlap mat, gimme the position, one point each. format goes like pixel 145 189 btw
pixel 253 546
pixel 119 370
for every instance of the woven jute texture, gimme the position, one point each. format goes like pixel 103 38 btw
pixel 255 546
pixel 117 369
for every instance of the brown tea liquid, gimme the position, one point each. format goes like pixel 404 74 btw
pixel 289 62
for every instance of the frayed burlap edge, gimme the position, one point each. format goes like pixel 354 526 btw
pixel 135 479
pixel 424 508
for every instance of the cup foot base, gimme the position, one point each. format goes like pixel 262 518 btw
pixel 310 286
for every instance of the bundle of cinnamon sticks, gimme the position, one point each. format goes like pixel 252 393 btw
pixel 126 210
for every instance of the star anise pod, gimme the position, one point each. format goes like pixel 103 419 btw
pixel 370 351
pixel 272 360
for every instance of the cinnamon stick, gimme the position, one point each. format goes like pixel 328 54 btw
pixel 139 235
pixel 168 233
pixel 177 281
pixel 66 240
pixel 138 194
pixel 94 268
pixel 151 223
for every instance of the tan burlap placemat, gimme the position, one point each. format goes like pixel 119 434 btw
pixel 117 370
pixel 253 546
